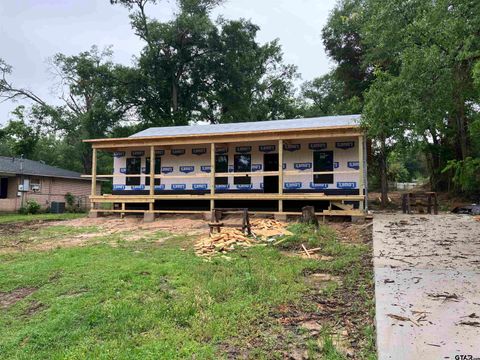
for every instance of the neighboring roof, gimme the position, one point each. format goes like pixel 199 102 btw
pixel 253 126
pixel 11 165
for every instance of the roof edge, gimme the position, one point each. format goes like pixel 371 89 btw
pixel 273 131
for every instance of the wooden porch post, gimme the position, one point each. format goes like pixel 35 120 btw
pixel 94 172
pixel 360 170
pixel 212 175
pixel 152 176
pixel 280 174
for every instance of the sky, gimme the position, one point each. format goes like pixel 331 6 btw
pixel 31 31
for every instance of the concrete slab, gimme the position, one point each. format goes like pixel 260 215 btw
pixel 427 286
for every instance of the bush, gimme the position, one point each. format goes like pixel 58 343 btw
pixel 466 174
pixel 31 207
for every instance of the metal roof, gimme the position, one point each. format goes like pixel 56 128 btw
pixel 12 165
pixel 253 126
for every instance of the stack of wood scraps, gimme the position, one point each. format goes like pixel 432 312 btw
pixel 268 229
pixel 227 240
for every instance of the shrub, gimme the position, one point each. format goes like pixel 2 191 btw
pixel 31 207
pixel 70 199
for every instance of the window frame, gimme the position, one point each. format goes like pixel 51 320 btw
pixel 130 180
pixel 242 180
pixel 157 170
pixel 323 178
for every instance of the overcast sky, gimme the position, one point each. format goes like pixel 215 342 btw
pixel 33 30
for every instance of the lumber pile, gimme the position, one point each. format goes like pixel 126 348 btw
pixel 224 241
pixel 268 229
pixel 230 238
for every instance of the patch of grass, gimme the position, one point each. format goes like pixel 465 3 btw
pixel 13 218
pixel 47 233
pixel 141 300
pixel 308 235
pixel 130 295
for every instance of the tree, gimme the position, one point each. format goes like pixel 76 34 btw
pixel 326 96
pixel 20 137
pixel 343 40
pixel 91 89
pixel 194 69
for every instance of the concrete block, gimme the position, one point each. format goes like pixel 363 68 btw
pixel 94 214
pixel 207 215
pixel 358 219
pixel 280 217
pixel 148 217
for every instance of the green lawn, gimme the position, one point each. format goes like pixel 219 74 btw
pixel 144 300
pixel 15 217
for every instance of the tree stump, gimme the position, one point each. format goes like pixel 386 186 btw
pixel 308 216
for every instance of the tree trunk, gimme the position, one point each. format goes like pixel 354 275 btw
pixel 87 161
pixel 383 173
pixel 174 97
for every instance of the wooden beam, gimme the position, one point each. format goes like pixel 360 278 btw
pixel 212 176
pixel 295 213
pixel 234 196
pixel 94 174
pixel 360 170
pixel 280 174
pixel 115 144
pixel 152 175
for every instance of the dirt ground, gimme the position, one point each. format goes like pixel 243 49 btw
pixel 28 235
pixel 427 285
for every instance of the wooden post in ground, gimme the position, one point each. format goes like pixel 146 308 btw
pixel 280 174
pixel 361 171
pixel 212 175
pixel 94 175
pixel 152 177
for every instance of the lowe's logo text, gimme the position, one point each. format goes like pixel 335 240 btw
pixel 293 185
pixel 292 147
pixel 302 166
pixel 317 146
pixel 318 186
pixel 346 185
pixel 200 186
pixel 266 148
pixel 243 149
pixel 177 152
pixel 187 169
pixel 179 186
pixel 199 151
pixel 344 144
pixel 353 165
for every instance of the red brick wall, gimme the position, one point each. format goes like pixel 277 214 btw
pixel 51 189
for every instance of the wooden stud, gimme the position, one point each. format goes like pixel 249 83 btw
pixel 152 175
pixel 94 175
pixel 280 174
pixel 360 172
pixel 212 176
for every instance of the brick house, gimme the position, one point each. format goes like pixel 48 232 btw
pixel 23 179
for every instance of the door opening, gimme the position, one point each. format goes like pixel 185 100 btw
pixel 270 183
